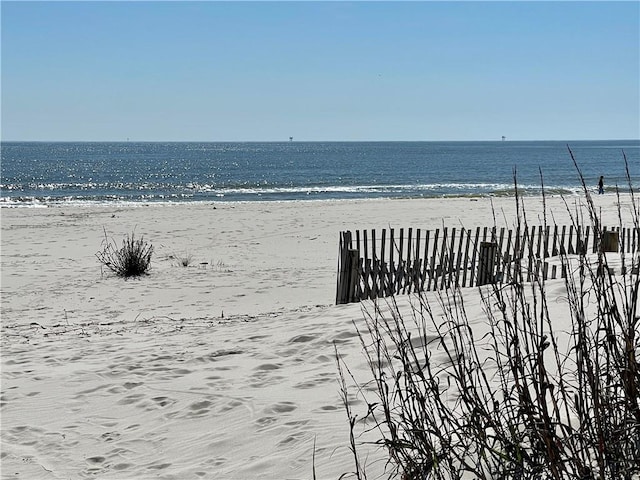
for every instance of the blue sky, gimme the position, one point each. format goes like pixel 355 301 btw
pixel 264 71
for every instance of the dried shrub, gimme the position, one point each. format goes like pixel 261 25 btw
pixel 184 260
pixel 131 260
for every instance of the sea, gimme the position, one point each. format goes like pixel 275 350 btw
pixel 45 174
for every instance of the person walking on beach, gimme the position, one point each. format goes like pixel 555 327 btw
pixel 601 185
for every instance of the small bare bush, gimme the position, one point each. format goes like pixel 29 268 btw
pixel 131 260
pixel 182 260
pixel 186 260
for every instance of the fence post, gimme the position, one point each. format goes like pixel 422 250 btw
pixel 610 242
pixel 487 263
pixel 353 276
pixel 344 268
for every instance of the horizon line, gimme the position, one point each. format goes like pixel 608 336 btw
pixel 499 140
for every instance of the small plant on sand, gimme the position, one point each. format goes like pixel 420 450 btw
pixel 183 260
pixel 521 398
pixel 131 260
pixel 220 266
pixel 186 260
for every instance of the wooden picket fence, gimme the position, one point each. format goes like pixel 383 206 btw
pixel 412 260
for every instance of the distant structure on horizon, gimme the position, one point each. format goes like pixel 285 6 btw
pixel 503 138
pixel 291 139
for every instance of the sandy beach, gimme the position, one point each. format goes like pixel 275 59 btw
pixel 221 369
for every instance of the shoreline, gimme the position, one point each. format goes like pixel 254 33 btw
pixel 577 192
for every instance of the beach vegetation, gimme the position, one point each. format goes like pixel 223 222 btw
pixel 132 259
pixel 220 266
pixel 546 385
pixel 184 260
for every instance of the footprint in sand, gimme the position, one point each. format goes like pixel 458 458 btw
pixel 96 465
pixel 110 436
pixel 230 405
pixel 130 385
pixel 302 338
pixel 163 401
pixel 129 399
pixel 345 336
pixel 199 409
pixel 281 407
pixel 180 372
pixel 268 366
pixel 329 408
pixel 205 404
pixel 318 380
pixel 264 422
pixel 95 460
pixel 291 439
pixel 263 375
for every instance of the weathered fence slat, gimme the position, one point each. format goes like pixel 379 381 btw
pixel 365 243
pixel 443 252
pixel 450 270
pixel 466 256
pixel 459 258
pixel 554 249
pixel 507 258
pixel 547 233
pixel 432 265
pixel 571 250
pixel 562 249
pixel 425 261
pixel 473 257
pixel 343 271
pixel 539 241
pixel 407 279
pixel 353 294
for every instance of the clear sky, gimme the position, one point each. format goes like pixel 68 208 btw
pixel 245 71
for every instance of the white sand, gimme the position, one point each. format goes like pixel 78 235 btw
pixel 221 370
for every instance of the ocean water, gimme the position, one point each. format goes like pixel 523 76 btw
pixel 52 173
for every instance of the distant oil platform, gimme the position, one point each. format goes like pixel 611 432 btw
pixel 291 139
pixel 503 138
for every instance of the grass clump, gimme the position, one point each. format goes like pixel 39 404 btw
pixel 184 260
pixel 131 260
pixel 513 397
